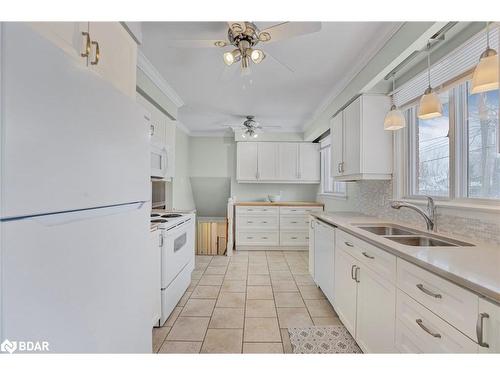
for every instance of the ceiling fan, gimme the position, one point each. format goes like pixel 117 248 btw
pixel 245 36
pixel 250 127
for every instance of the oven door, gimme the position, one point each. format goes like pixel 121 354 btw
pixel 177 251
pixel 159 161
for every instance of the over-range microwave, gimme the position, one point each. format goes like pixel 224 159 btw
pixel 159 161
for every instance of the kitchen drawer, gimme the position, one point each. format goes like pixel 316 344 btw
pixel 300 222
pixel 454 304
pixel 294 238
pixel 432 335
pixel 377 260
pixel 297 210
pixel 256 222
pixel 258 238
pixel 257 210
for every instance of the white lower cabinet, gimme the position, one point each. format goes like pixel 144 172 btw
pixel 418 330
pixel 324 259
pixel 311 247
pixel 488 327
pixel 375 312
pixel 156 245
pixel 345 289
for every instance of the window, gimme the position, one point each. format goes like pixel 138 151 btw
pixel 328 185
pixel 455 156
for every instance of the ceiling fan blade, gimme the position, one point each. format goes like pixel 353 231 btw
pixel 237 26
pixel 291 29
pixel 215 43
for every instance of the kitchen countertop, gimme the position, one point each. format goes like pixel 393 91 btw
pixel 474 268
pixel 281 203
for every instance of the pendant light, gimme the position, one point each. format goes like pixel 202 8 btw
pixel 485 77
pixel 430 105
pixel 394 119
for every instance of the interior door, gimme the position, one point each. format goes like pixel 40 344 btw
pixel 337 144
pixel 352 138
pixel 267 159
pixel 345 289
pixel 324 258
pixel 376 316
pixel 288 161
pixel 246 160
pixel 309 162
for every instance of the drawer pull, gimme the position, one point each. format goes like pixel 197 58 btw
pixel 307 237
pixel 356 274
pixel 249 222
pixel 479 329
pixel 264 222
pixel 352 272
pixel 368 255
pixel 249 238
pixel 293 222
pixel 349 244
pixel 264 238
pixel 421 325
pixel 294 238
pixel 428 292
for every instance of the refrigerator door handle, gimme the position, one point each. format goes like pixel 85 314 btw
pixel 61 218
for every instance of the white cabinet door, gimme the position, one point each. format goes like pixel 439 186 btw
pixel 490 337
pixel 375 321
pixel 288 157
pixel 324 258
pixel 246 160
pixel 309 162
pixel 311 247
pixel 68 36
pixel 337 135
pixel 345 290
pixel 352 138
pixel 116 61
pixel 267 160
pixel 157 125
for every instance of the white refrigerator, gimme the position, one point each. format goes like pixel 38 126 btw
pixel 75 203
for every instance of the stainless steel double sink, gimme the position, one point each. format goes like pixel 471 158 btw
pixel 410 237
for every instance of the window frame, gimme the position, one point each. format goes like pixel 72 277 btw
pixel 325 171
pixel 405 148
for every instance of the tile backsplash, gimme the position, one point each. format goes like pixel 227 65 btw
pixel 375 197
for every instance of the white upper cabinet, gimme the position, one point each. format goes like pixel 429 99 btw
pixel 361 148
pixel 267 156
pixel 71 37
pixel 288 161
pixel 246 158
pixel 113 55
pixel 104 47
pixel 275 162
pixel 309 162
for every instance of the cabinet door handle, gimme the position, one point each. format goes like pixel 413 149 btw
pixel 338 168
pixel 421 325
pixel 342 167
pixel 356 274
pixel 161 240
pixel 367 255
pixel 480 329
pixel 97 53
pixel 349 244
pixel 152 129
pixel 352 272
pixel 86 52
pixel 428 292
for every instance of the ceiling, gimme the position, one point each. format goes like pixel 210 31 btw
pixel 217 95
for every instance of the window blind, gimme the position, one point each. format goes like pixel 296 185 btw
pixel 454 64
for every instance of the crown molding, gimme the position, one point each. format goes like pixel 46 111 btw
pixel 342 84
pixel 154 75
pixel 183 127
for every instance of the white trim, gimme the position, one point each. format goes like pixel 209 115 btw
pixel 155 76
pixel 343 83
pixel 182 127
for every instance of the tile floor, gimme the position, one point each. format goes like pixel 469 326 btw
pixel 244 304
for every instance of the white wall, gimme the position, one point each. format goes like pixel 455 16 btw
pixel 182 194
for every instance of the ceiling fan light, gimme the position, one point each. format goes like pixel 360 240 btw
pixel 394 120
pixel 485 77
pixel 257 56
pixel 231 57
pixel 430 105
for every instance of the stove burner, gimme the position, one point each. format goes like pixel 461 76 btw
pixel 155 215
pixel 154 221
pixel 171 215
